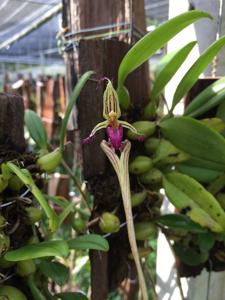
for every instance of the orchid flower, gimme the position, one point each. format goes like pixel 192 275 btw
pixel 111 114
pixel 114 129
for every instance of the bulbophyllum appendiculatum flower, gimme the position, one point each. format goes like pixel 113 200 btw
pixel 114 129
pixel 111 114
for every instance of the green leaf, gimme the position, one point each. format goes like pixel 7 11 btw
pixel 64 214
pixel 43 249
pixel 165 75
pixel 75 94
pixel 70 296
pixel 206 241
pixel 196 139
pixel 190 197
pixel 189 255
pixel 196 69
pixel 176 221
pixel 160 65
pixel 206 164
pixel 26 178
pixel 58 272
pixel 89 241
pixel 200 174
pixel 206 95
pixel 214 101
pixel 153 41
pixel 170 69
pixel 58 200
pixel 36 129
pixel 220 113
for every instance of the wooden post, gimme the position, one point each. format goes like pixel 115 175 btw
pixel 12 147
pixel 103 56
pixel 12 122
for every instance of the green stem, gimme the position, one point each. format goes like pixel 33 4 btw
pixel 36 293
pixel 77 183
pixel 53 220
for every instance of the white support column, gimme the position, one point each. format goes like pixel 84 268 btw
pixel 204 31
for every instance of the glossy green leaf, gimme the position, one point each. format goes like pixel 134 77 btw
pixel 75 94
pixel 205 164
pixel 36 129
pixel 43 249
pixel 196 69
pixel 206 241
pixel 151 42
pixel 204 175
pixel 185 191
pixel 70 296
pixel 214 101
pixel 205 96
pixel 89 241
pixel 169 69
pixel 190 256
pixel 220 113
pixel 58 272
pixel 166 73
pixel 195 138
pixel 177 221
pixel 160 65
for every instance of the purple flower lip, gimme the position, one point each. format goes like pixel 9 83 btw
pixel 115 136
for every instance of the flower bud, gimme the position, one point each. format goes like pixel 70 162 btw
pixel 140 165
pixel 25 267
pixel 109 223
pixel 11 293
pixel 144 230
pixel 153 176
pixel 144 128
pixel 34 214
pixel 138 198
pixel 50 161
pixel 15 184
pixel 79 224
pixel 151 145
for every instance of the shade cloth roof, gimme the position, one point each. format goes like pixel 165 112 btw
pixel 18 17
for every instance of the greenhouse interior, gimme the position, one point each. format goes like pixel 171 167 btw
pixel 112 150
